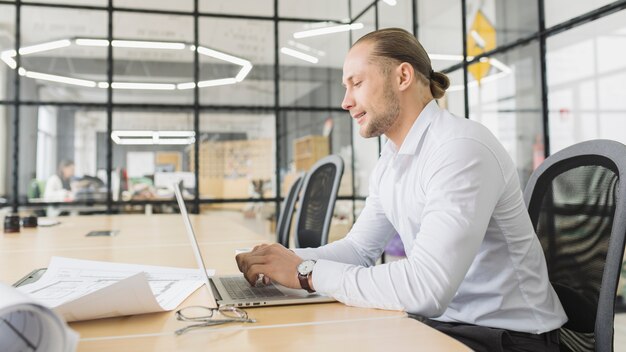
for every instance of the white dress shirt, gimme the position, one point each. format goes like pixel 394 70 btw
pixel 452 194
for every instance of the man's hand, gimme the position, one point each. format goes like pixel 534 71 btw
pixel 274 261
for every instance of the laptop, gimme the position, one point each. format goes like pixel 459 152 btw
pixel 235 290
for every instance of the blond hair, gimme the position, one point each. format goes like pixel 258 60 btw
pixel 395 46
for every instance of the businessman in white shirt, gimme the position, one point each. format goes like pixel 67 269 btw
pixel 474 268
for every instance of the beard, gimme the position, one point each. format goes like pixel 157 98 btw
pixel 381 121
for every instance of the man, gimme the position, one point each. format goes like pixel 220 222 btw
pixel 474 268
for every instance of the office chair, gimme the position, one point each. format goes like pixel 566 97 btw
pixel 319 192
pixel 579 214
pixel 283 226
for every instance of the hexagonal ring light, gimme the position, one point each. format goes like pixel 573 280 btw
pixel 7 57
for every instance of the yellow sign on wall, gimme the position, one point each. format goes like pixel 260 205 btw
pixel 481 37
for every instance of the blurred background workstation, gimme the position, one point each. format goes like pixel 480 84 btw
pixel 104 104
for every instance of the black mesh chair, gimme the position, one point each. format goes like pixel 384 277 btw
pixel 319 192
pixel 283 226
pixel 579 215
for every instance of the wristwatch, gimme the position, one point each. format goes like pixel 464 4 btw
pixel 304 271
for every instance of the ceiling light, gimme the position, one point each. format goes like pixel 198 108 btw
pixel 149 86
pixel 44 47
pixel 177 133
pixel 499 65
pixel 479 40
pixel 299 55
pixel 60 79
pixel 148 45
pixel 153 137
pixel 91 42
pixel 246 66
pixel 7 57
pixel 390 2
pixel 183 86
pixel 222 56
pixel 446 57
pixel 243 72
pixel 217 82
pixel 327 30
pixel 306 48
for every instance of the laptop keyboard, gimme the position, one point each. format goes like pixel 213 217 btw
pixel 239 288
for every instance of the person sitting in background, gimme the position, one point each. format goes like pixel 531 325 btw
pixel 58 185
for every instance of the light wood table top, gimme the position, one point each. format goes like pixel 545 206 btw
pixel 161 240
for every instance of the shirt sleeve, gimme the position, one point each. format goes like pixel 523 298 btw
pixel 462 182
pixel 363 245
pixel 365 242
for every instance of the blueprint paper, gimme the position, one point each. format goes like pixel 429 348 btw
pixel 84 289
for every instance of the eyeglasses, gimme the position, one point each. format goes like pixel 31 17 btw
pixel 206 316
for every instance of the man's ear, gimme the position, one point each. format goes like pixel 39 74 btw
pixel 405 74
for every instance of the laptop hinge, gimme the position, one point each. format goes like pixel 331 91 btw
pixel 216 293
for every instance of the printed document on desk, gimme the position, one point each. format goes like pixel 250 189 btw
pixel 85 289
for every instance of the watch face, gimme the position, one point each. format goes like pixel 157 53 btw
pixel 306 267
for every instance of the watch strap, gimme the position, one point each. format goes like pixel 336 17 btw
pixel 304 282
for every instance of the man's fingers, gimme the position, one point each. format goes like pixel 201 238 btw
pixel 253 272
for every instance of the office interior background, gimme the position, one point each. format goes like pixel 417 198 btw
pixel 234 100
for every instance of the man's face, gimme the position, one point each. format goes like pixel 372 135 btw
pixel 370 96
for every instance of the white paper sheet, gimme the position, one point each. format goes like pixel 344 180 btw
pixel 28 326
pixel 84 289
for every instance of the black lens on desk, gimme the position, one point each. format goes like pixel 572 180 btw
pixel 29 221
pixel 12 223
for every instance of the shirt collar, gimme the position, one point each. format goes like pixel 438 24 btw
pixel 417 131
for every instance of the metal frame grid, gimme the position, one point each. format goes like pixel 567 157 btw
pixel 540 36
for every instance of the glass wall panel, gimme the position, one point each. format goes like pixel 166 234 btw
pixel 237 157
pixel 151 151
pixel 507 100
pixel 306 137
pixel 59 59
pixel 7 46
pixel 57 158
pixel 6 152
pixel 494 23
pixel 398 15
pixel 236 62
pixel 585 72
pixel 558 11
pixel 161 5
pixel 311 68
pixel 321 9
pixel 366 150
pixel 102 3
pixel 454 99
pixel 358 6
pixel 153 58
pixel 239 7
pixel 440 31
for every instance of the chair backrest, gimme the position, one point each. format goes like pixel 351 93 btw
pixel 315 210
pixel 579 215
pixel 283 226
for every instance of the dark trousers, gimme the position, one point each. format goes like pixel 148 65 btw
pixel 481 338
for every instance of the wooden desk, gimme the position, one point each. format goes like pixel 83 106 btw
pixel 161 240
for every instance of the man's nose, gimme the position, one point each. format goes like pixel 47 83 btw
pixel 348 102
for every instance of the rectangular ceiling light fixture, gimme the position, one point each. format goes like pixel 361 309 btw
pixel 153 137
pixel 299 55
